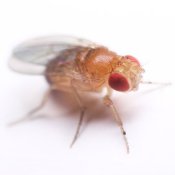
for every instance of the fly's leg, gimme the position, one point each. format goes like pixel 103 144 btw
pixel 79 126
pixel 108 102
pixel 33 111
pixel 82 112
pixel 156 83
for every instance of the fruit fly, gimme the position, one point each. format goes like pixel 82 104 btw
pixel 76 65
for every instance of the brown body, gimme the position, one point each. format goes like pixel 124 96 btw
pixel 86 67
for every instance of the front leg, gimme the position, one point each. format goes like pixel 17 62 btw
pixel 108 102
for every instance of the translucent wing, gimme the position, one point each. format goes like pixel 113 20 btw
pixel 31 57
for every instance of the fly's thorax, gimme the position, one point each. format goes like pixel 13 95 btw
pixel 96 63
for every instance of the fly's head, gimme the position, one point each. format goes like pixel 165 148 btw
pixel 126 75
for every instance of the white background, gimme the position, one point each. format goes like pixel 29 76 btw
pixel 145 29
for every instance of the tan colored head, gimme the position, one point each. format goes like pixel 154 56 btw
pixel 127 74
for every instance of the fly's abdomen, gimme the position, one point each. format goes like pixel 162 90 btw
pixel 60 71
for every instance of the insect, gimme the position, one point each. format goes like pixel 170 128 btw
pixel 77 65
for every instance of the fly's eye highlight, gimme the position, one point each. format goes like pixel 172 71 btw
pixel 132 59
pixel 118 82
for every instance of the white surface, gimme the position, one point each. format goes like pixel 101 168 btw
pixel 144 29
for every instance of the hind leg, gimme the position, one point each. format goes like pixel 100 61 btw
pixel 30 114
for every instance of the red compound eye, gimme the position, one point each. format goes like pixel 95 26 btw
pixel 133 59
pixel 118 82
